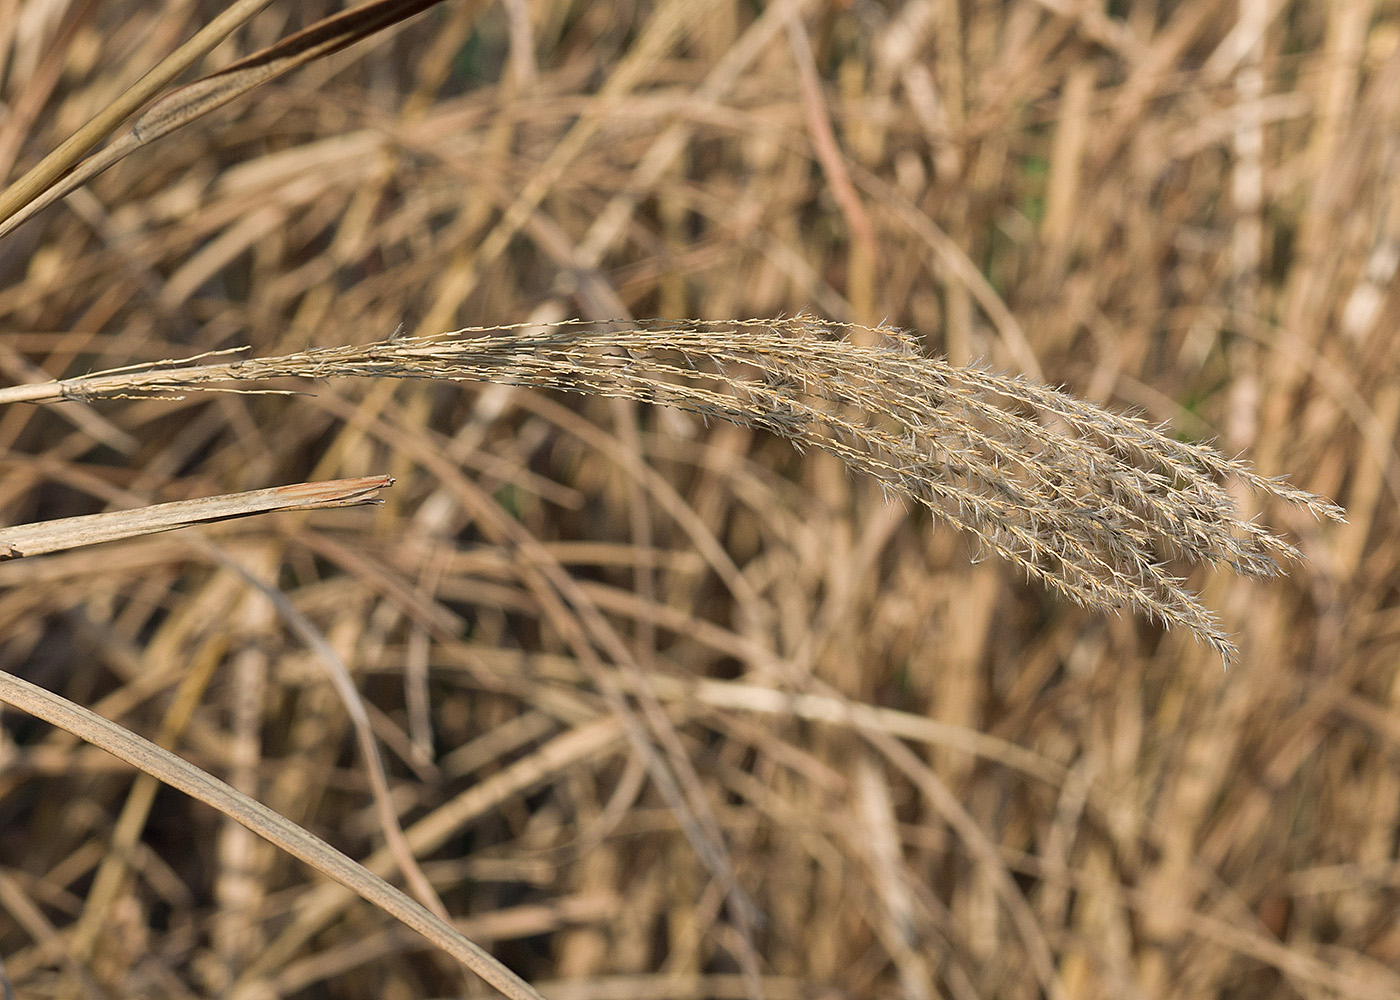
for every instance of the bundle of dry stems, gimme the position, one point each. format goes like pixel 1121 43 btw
pixel 565 647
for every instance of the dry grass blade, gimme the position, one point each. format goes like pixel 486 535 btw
pixel 193 101
pixel 53 166
pixel 623 664
pixel 160 763
pixel 89 529
pixel 1087 501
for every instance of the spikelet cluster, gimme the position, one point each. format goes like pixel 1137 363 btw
pixel 1091 503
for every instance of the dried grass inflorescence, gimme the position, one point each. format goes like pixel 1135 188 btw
pixel 927 785
pixel 1090 502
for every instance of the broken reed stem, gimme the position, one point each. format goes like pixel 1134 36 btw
pixel 1085 500
pixel 43 537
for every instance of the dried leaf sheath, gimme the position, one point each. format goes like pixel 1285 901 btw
pixel 1085 500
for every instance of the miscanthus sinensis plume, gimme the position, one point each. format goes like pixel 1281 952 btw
pixel 1092 503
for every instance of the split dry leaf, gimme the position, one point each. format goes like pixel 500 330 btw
pixel 71 532
pixel 33 193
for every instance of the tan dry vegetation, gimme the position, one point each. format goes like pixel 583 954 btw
pixel 669 708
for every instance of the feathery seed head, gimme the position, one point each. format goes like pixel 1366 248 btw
pixel 1085 500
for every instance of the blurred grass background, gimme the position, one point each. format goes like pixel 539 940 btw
pixel 930 778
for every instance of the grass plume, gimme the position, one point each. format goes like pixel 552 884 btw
pixel 1087 501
